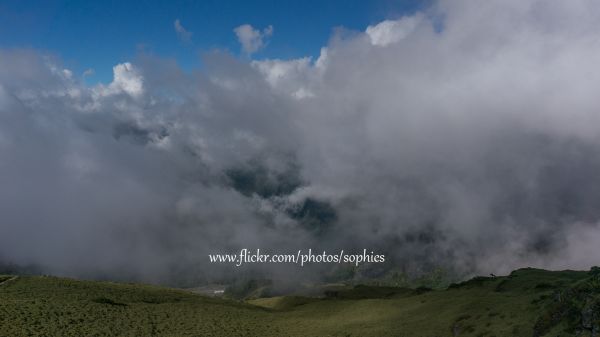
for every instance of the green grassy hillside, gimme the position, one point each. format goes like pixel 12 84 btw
pixel 528 302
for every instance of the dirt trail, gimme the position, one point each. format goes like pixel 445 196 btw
pixel 8 280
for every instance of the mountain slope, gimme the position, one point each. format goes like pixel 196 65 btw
pixel 528 302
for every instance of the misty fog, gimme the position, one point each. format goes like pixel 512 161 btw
pixel 466 137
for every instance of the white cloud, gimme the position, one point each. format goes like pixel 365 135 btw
pixel 276 71
pixel 392 31
pixel 183 34
pixel 126 79
pixel 252 39
pixel 289 76
pixel 447 145
pixel 321 62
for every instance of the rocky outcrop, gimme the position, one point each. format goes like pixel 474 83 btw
pixel 578 306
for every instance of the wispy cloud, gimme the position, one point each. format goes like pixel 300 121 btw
pixel 88 72
pixel 252 39
pixel 183 34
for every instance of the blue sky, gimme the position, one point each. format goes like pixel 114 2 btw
pixel 100 34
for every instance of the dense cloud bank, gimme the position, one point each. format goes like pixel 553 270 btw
pixel 466 136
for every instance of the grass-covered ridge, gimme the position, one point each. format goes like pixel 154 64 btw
pixel 528 302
